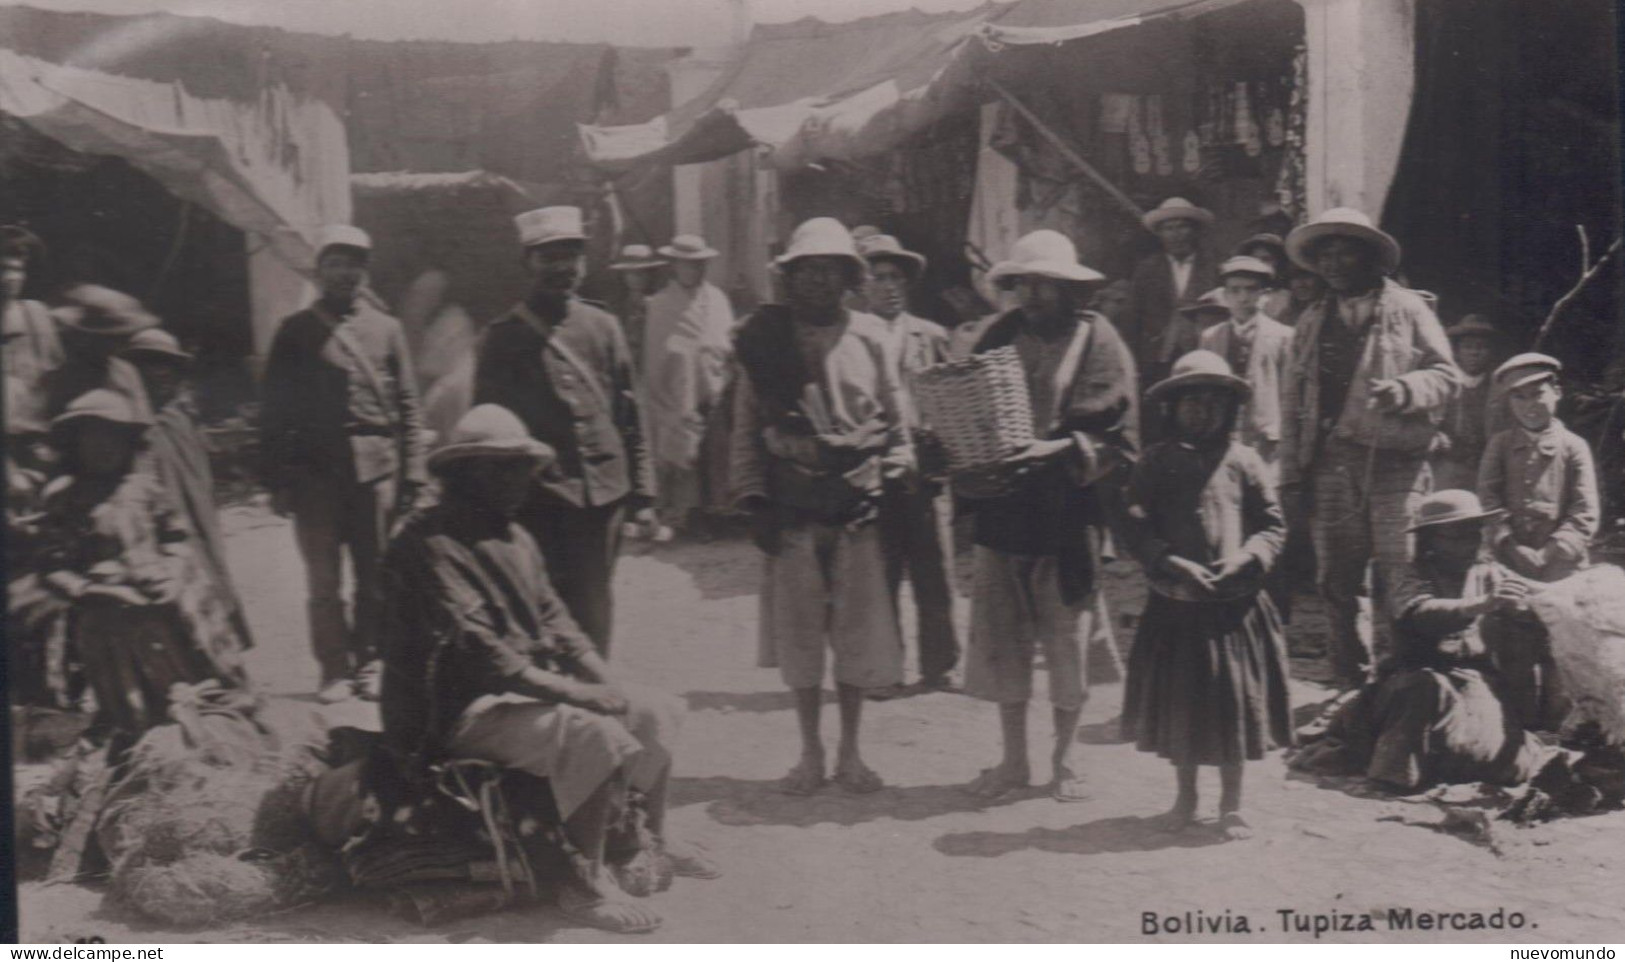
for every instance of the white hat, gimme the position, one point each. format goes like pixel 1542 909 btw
pixel 1342 222
pixel 1044 253
pixel 1199 369
pixel 1246 265
pixel 549 224
pixel 879 247
pixel 821 237
pixel 688 247
pixel 490 431
pixel 1176 208
pixel 342 235
pixel 1525 369
pixel 637 257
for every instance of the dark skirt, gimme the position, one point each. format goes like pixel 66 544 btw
pixel 131 657
pixel 1207 682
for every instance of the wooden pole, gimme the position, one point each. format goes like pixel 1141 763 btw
pixel 1111 189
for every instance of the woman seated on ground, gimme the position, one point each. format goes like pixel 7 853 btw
pixel 140 617
pixel 1433 715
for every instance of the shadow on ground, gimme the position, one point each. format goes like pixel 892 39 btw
pixel 1124 833
pixel 733 801
pixel 750 701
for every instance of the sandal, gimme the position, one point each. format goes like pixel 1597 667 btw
pixel 992 784
pixel 802 780
pixel 608 914
pixel 858 779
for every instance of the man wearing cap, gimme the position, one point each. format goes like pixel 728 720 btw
pixel 1463 430
pixel 341 438
pixel 1039 518
pixel 639 271
pixel 31 349
pixel 1371 370
pixel 685 367
pixel 1258 348
pixel 819 430
pixel 181 458
pixel 562 365
pixel 1163 282
pixel 484 662
pixel 914 519
pixel 95 324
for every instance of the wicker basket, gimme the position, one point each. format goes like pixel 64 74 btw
pixel 978 407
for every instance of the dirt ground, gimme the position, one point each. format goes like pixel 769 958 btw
pixel 919 861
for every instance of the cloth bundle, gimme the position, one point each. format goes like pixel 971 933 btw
pixel 1585 615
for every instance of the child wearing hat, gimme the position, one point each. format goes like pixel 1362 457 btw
pixel 1257 347
pixel 1207 679
pixel 1463 434
pixel 1542 474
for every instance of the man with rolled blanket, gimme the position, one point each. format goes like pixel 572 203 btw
pixel 1040 515
pixel 818 433
pixel 484 662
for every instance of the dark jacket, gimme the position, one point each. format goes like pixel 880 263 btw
pixel 1155 330
pixel 595 427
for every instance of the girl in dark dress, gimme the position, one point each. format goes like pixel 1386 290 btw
pixel 1207 680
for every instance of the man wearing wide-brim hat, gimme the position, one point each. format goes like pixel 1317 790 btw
pixel 915 520
pixel 686 358
pixel 819 430
pixel 95 324
pixel 1371 371
pixel 1163 282
pixel 638 270
pixel 562 365
pixel 485 662
pixel 341 436
pixel 1038 519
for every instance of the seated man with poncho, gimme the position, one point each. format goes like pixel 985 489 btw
pixel 483 662
pixel 1435 714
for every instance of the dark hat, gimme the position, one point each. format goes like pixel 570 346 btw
pixel 1473 325
pixel 93 309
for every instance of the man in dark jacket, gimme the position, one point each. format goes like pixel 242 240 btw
pixel 1162 283
pixel 341 436
pixel 562 365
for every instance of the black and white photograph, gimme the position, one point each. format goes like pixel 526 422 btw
pixel 813 471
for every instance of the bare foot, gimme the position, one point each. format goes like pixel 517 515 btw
pixel 857 778
pixel 1233 827
pixel 806 778
pixel 997 782
pixel 1068 786
pixel 1176 819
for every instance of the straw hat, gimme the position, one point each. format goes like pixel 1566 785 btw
pixel 1450 507
pixel 821 237
pixel 1246 265
pixel 93 309
pixel 1200 369
pixel 637 257
pixel 1209 303
pixel 880 247
pixel 490 431
pixel 1044 253
pixel 157 342
pixel 547 225
pixel 1342 222
pixel 1473 325
pixel 1176 208
pixel 100 404
pixel 688 247
pixel 1526 369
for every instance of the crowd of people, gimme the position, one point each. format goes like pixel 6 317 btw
pixel 1228 422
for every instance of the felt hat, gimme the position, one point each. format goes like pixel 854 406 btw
pixel 637 257
pixel 157 342
pixel 342 235
pixel 1473 325
pixel 1272 241
pixel 1243 264
pixel 1450 507
pixel 1199 369
pixel 1526 369
pixel 689 247
pixel 20 239
pixel 93 309
pixel 1342 222
pixel 547 225
pixel 821 237
pixel 1044 253
pixel 880 247
pixel 100 404
pixel 490 431
pixel 1210 303
pixel 1176 208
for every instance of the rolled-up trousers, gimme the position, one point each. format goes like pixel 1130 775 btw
pixel 329 516
pixel 1361 505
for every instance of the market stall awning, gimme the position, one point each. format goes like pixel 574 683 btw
pixel 277 169
pixel 811 91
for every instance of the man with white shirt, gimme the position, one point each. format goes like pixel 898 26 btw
pixel 1257 347
pixel 1162 283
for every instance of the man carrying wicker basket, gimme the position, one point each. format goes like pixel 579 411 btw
pixel 1038 508
pixel 818 435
